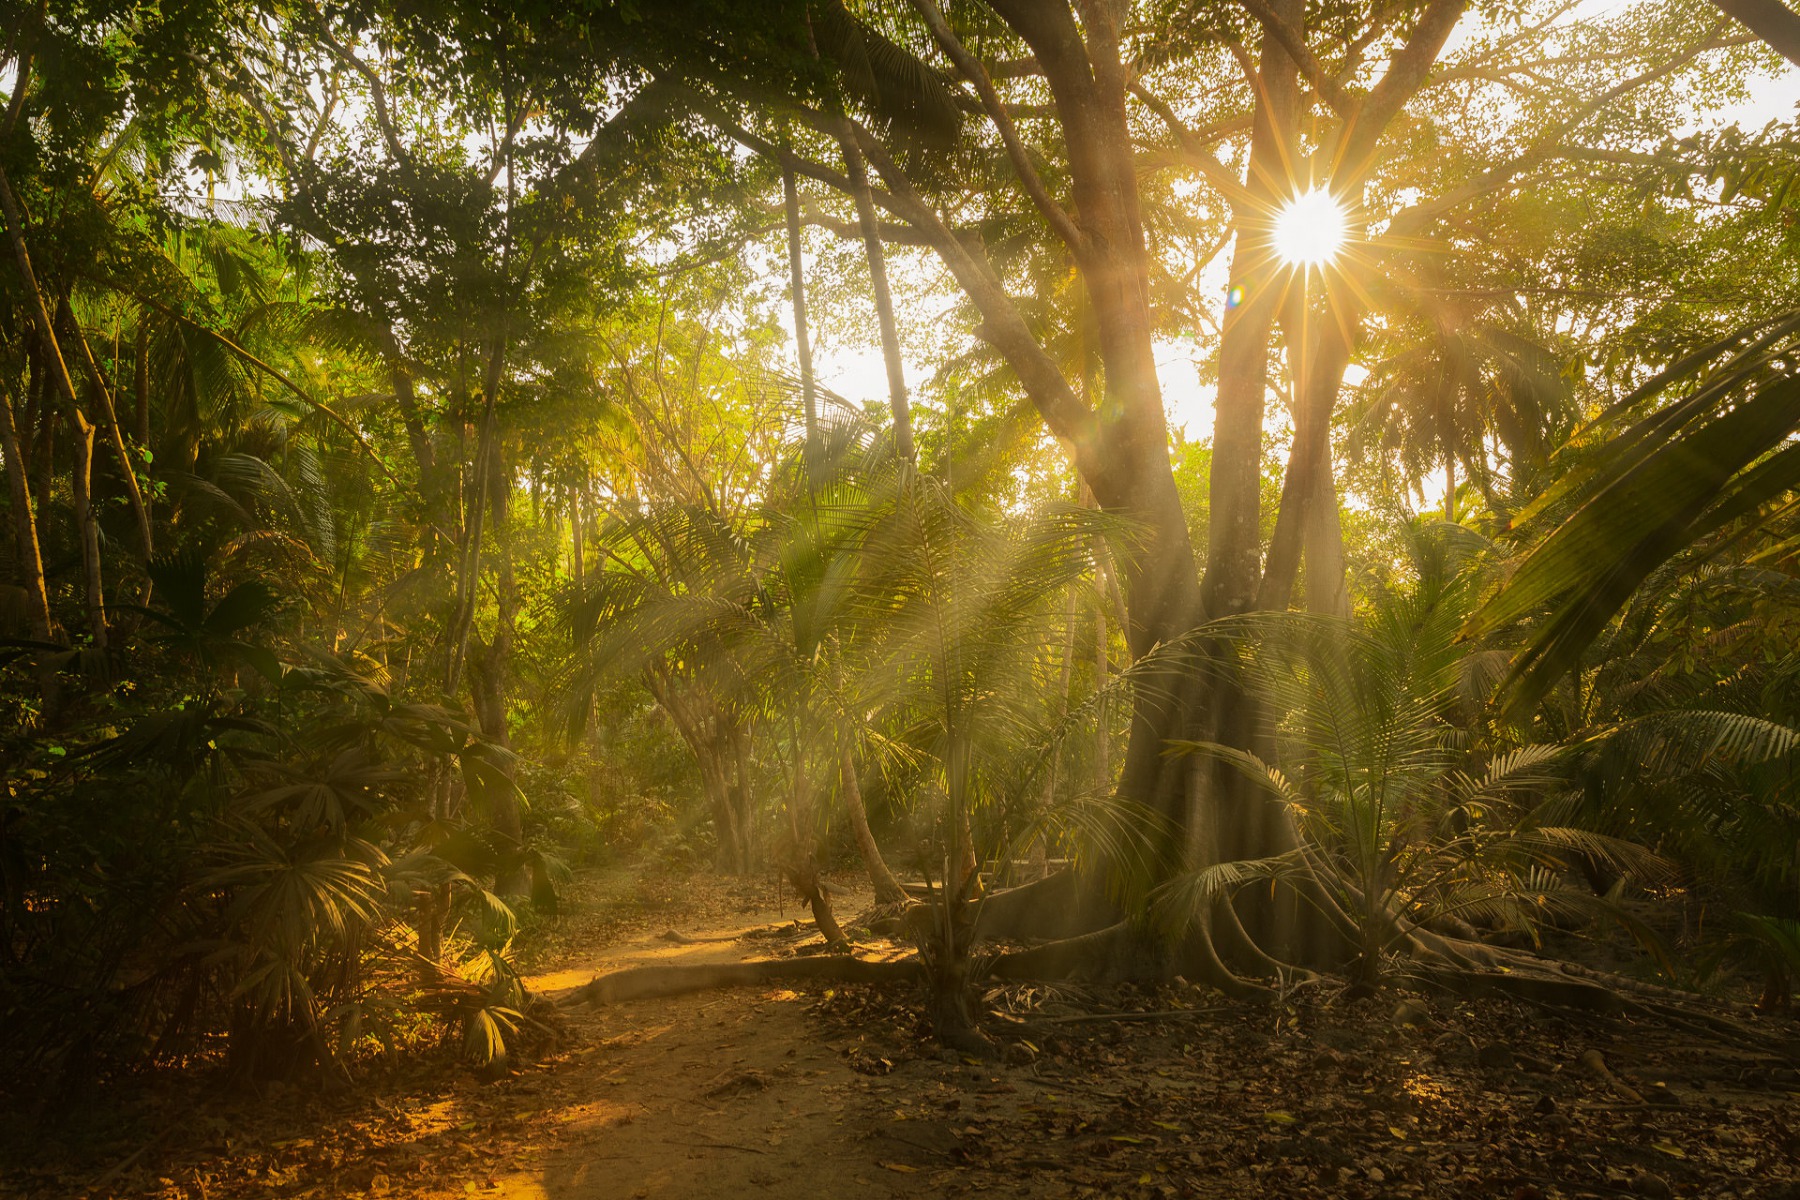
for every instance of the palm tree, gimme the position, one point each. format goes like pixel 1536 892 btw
pixel 1710 450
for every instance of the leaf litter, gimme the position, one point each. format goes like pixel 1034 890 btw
pixel 1116 1091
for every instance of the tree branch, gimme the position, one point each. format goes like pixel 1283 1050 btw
pixel 972 70
pixel 1294 42
pixel 15 104
pixel 1194 149
pixel 384 117
pixel 1002 326
pixel 1407 71
pixel 1409 222
pixel 1775 23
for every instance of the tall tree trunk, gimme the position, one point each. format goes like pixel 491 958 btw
pixel 887 888
pixel 109 419
pixel 884 302
pixel 31 559
pixel 43 455
pixel 469 567
pixel 140 424
pixel 742 800
pixel 51 356
pixel 1234 554
pixel 1327 586
pixel 1102 733
pixel 802 868
pixel 508 820
pixel 578 561
pixel 88 525
pixel 406 399
pixel 1320 357
pixel 797 285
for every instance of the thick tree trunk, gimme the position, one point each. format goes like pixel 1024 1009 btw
pixel 1320 356
pixel 1234 540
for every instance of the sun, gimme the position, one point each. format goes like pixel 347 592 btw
pixel 1310 229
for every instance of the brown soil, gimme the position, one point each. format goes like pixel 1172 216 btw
pixel 1102 1092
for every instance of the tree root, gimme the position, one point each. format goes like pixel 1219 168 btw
pixel 1126 952
pixel 645 983
pixel 1472 969
pixel 1055 907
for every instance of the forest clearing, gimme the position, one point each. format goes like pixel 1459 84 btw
pixel 1050 597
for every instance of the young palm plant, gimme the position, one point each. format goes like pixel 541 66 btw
pixel 1408 815
pixel 952 609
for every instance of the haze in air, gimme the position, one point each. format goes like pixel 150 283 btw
pixel 1053 598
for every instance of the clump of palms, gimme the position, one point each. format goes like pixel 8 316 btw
pixel 867 607
pixel 248 863
pixel 955 607
pixel 1411 812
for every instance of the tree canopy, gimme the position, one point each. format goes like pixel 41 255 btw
pixel 432 469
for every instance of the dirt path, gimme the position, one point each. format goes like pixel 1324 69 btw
pixel 1111 1092
pixel 724 1093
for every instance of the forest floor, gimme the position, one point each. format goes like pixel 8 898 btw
pixel 835 1091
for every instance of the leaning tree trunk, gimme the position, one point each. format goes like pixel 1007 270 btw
pixel 887 888
pixel 884 301
pixel 508 821
pixel 31 559
pixel 87 524
pixel 802 865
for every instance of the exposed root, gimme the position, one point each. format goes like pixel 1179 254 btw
pixel 643 983
pixel 1089 954
pixel 1123 951
pixel 1240 945
pixel 1473 969
pixel 887 918
pixel 1056 907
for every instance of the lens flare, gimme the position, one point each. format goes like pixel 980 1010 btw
pixel 1310 229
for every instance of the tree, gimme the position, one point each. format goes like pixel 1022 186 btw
pixel 1048 99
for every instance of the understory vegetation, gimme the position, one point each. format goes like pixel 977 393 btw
pixel 449 447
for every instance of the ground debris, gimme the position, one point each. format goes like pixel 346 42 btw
pixel 1102 1090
